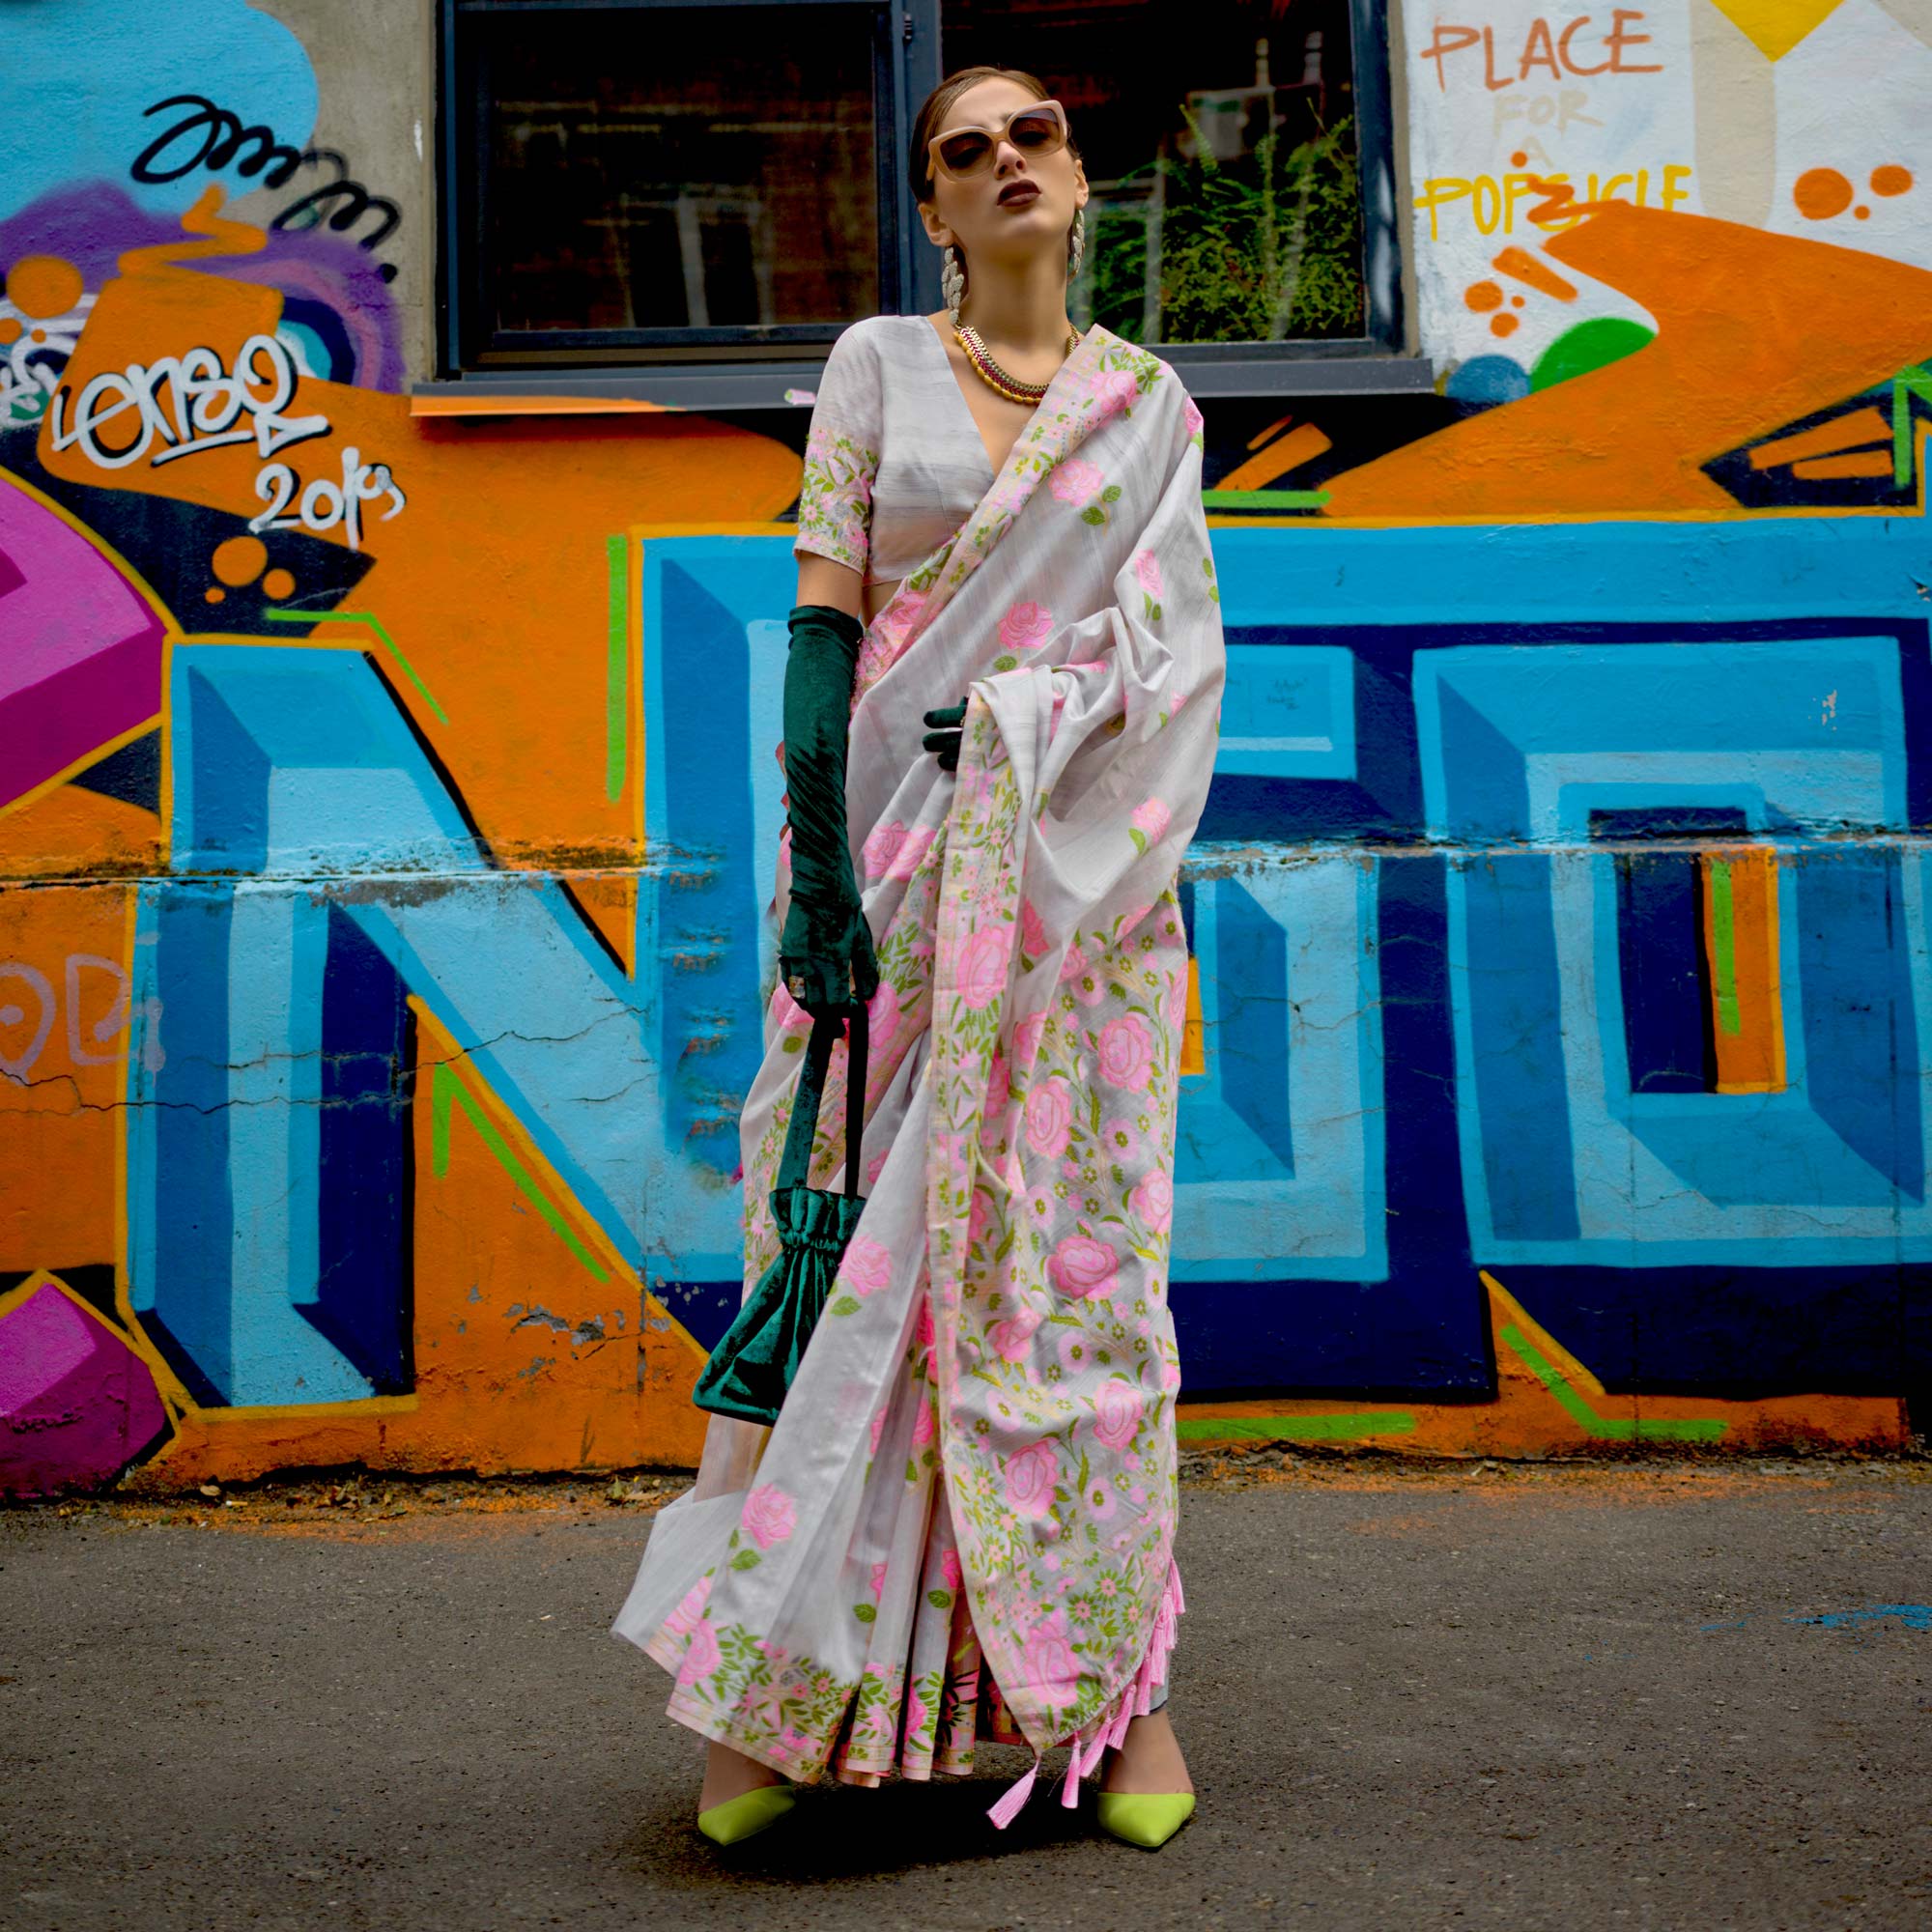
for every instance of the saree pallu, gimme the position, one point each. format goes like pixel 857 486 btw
pixel 962 1523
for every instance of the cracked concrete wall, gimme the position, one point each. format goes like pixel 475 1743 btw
pixel 384 803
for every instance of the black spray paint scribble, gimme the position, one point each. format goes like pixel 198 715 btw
pixel 204 135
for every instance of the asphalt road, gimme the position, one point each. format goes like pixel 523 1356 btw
pixel 1538 1699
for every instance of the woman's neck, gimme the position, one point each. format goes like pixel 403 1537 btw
pixel 1019 306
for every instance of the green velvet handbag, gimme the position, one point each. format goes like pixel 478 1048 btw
pixel 752 1367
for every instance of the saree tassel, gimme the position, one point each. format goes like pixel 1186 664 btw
pixel 1008 1807
pixel 1069 1789
pixel 1138 1700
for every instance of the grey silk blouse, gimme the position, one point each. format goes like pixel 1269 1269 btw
pixel 894 461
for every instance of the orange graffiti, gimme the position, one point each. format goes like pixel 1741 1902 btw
pixel 1846 431
pixel 43 286
pixel 1821 194
pixel 489 580
pixel 1855 462
pixel 1747 1016
pixel 1301 444
pixel 1727 367
pixel 239 561
pixel 1891 180
pixel 1482 296
pixel 1527 268
pixel 1503 325
pixel 278 583
pixel 63 1028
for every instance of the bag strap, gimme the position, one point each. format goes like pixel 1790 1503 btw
pixel 795 1164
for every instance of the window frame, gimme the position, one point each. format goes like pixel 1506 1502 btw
pixel 759 366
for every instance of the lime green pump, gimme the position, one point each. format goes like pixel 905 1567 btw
pixel 747 1814
pixel 1145 1818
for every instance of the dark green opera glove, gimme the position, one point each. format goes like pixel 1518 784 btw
pixel 947 729
pixel 825 952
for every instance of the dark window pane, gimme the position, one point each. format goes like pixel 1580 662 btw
pixel 1220 144
pixel 678 167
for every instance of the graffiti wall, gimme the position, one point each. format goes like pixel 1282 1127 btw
pixel 386 801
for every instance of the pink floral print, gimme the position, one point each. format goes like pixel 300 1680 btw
pixel 1049 1117
pixel 1126 1052
pixel 1032 1474
pixel 1118 1405
pixel 1113 391
pixel 868 1265
pixel 835 495
pixel 1151 1199
pixel 1012 1339
pixel 883 847
pixel 1080 1265
pixel 770 1516
pixel 1051 1668
pixel 1076 482
pixel 1033 931
pixel 911 853
pixel 1025 626
pixel 702 1655
pixel 983 966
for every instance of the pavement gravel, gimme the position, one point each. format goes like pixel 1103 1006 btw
pixel 1536 1695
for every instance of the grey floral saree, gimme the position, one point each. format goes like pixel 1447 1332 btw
pixel 962 1523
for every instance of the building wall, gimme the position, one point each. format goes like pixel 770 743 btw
pixel 381 892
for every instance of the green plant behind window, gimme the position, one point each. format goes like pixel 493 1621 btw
pixel 1263 249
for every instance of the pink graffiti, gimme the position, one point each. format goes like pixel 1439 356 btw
pixel 78 1405
pixel 80 649
pixel 27 1001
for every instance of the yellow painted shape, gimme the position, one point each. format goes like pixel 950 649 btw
pixel 1748 1016
pixel 1505 1308
pixel 610 903
pixel 490 404
pixel 1194 1034
pixel 1774 27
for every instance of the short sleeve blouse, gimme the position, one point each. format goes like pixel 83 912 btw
pixel 841 454
pixel 894 462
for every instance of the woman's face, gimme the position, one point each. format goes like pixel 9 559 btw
pixel 990 215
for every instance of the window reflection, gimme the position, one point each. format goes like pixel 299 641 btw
pixel 1220 144
pixel 679 168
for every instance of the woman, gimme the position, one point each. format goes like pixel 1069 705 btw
pixel 962 1523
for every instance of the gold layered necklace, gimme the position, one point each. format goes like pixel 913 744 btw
pixel 993 376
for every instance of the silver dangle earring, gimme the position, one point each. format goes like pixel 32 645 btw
pixel 952 282
pixel 1079 248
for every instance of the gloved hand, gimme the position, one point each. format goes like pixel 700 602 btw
pixel 949 720
pixel 825 952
